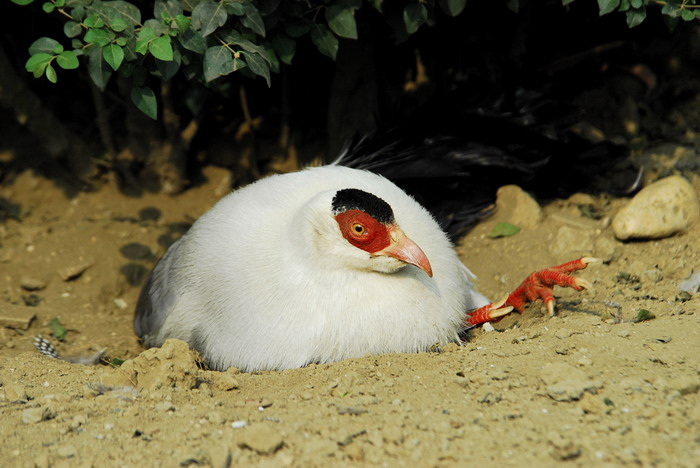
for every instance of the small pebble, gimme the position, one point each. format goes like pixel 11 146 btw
pixel 14 391
pixel 239 424
pixel 685 385
pixel 77 421
pixel 73 271
pixel 165 406
pixel 572 241
pixel 215 417
pixel 569 390
pixel 42 461
pixel 66 451
pixel 35 415
pixel 691 285
pixel 32 284
pixel 225 381
pixel 261 438
pixel 584 361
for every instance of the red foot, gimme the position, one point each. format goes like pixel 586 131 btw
pixel 537 286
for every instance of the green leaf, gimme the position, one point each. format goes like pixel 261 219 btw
pixel 98 69
pixel 453 7
pixel 67 60
pixel 238 64
pixel 607 6
pixel 233 37
pixel 636 3
pixel 193 40
pixel 635 17
pixel 39 70
pixel 118 24
pixel 218 61
pixel 57 329
pixel 258 65
pixel 157 26
pixel 121 41
pixel 182 23
pixel 234 8
pixel 37 63
pixel 208 17
pixel 116 362
pixel 78 13
pixel 504 230
pixel 113 55
pixel 324 40
pixel 94 21
pixel 252 19
pixel 60 3
pixel 36 59
pixel 377 5
pixel 22 2
pixel 644 315
pixel 272 59
pixel 671 9
pixel 341 20
pixel 168 69
pixel 687 15
pixel 297 27
pixel 45 45
pixel 146 35
pixel 513 5
pixel 284 47
pixel 145 100
pixel 162 48
pixel 167 8
pixel 97 36
pixel 110 10
pixel 625 5
pixel 414 15
pixel 72 29
pixel 48 7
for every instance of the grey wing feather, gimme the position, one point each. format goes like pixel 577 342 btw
pixel 156 299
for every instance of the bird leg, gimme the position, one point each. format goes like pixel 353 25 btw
pixel 539 285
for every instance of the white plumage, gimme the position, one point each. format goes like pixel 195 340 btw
pixel 266 280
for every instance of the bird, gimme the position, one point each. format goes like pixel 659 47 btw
pixel 316 266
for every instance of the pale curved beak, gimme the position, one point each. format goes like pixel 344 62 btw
pixel 404 249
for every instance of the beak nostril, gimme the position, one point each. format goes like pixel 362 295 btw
pixel 404 249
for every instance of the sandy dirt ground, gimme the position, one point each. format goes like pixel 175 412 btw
pixel 589 387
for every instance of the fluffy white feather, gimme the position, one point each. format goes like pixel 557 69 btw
pixel 265 280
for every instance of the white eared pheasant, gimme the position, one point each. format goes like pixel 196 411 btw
pixel 319 265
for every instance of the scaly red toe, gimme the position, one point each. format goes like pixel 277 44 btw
pixel 539 285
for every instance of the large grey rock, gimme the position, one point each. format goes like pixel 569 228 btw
pixel 662 209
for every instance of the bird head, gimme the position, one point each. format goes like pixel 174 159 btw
pixel 367 223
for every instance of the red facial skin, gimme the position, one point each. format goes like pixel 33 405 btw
pixel 363 231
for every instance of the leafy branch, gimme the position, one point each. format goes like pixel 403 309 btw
pixel 636 10
pixel 207 39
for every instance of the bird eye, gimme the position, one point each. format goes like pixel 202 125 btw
pixel 358 228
